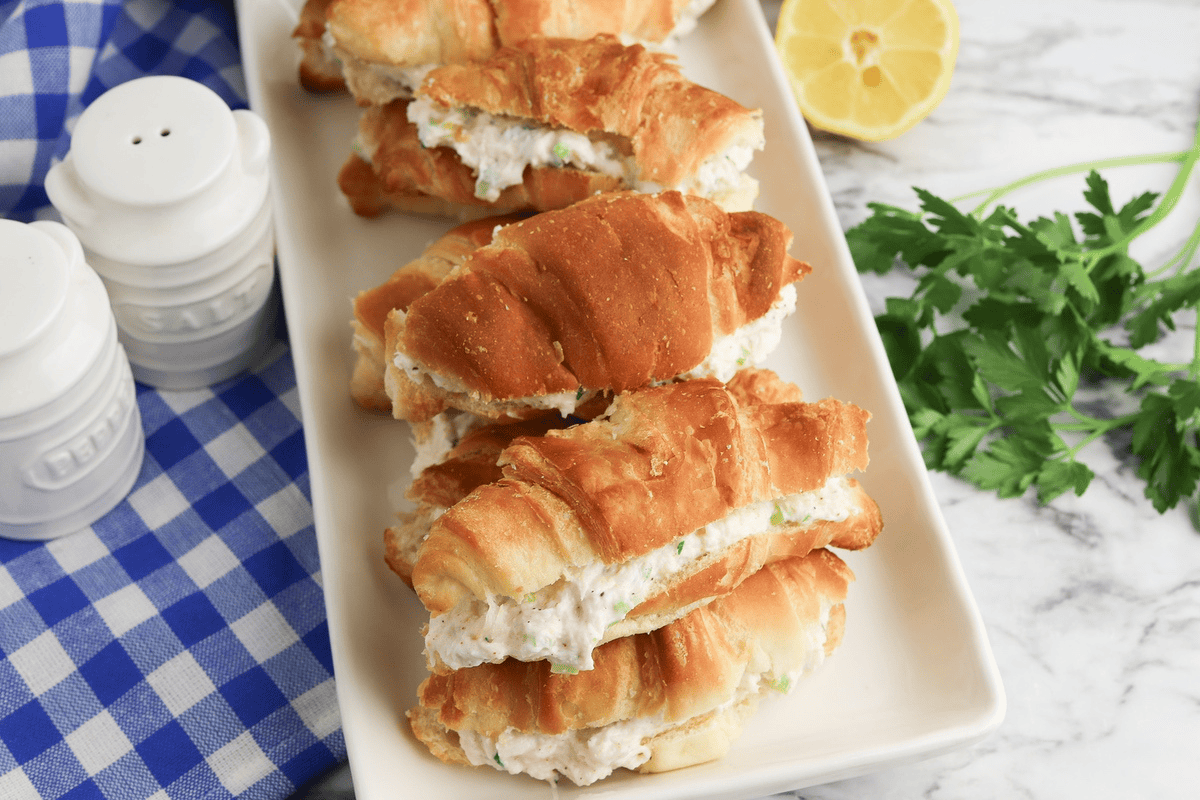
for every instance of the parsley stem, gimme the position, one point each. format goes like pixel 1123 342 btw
pixel 1166 369
pixel 1162 210
pixel 1093 436
pixel 1095 428
pixel 1058 172
pixel 1183 257
pixel 1194 372
pixel 1087 423
pixel 1187 159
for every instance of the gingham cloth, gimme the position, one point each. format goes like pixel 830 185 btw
pixel 177 647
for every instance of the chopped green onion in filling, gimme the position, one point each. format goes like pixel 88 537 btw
pixel 562 622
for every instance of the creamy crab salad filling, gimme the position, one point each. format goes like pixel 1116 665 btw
pixel 563 622
pixel 718 175
pixel 583 756
pixel 686 22
pixel 439 436
pixel 564 403
pixel 590 754
pixel 750 344
pixel 500 148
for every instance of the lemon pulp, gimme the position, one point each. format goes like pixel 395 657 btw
pixel 869 69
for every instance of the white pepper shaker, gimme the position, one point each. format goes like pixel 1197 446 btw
pixel 168 190
pixel 71 439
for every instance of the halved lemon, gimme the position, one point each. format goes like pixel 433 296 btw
pixel 869 69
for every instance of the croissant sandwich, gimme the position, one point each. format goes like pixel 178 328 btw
pixel 655 701
pixel 410 281
pixel 548 123
pixel 615 292
pixel 671 498
pixel 457 453
pixel 380 48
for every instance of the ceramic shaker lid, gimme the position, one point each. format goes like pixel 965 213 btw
pixel 54 314
pixel 161 171
pixel 152 143
pixel 33 272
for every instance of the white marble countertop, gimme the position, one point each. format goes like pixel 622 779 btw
pixel 1092 604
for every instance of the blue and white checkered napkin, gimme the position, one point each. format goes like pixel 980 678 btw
pixel 178 647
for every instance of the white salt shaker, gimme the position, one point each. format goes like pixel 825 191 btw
pixel 71 439
pixel 168 191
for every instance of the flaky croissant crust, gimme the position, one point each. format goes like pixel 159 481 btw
pixel 600 86
pixel 410 281
pixel 419 32
pixel 616 292
pixel 661 464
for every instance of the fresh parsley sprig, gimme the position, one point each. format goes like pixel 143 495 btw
pixel 1009 321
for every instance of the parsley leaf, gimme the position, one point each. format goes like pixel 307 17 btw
pixel 1164 435
pixel 1008 321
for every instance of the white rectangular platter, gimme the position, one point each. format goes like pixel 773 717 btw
pixel 914 677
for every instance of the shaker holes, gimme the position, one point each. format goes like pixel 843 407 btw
pixel 163 132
